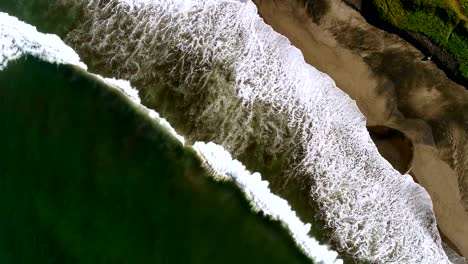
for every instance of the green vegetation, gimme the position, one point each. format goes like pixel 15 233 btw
pixel 445 22
pixel 464 6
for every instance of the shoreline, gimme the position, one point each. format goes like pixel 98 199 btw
pixel 392 87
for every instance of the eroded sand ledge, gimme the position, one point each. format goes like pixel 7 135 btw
pixel 393 87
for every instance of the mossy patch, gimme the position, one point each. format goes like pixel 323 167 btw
pixel 443 21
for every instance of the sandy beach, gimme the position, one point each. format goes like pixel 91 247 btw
pixel 392 87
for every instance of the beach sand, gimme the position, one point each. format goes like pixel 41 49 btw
pixel 392 87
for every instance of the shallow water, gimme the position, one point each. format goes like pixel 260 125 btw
pixel 88 178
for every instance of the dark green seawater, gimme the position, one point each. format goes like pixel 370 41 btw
pixel 87 177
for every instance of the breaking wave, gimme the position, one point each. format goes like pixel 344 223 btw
pixel 20 39
pixel 217 160
pixel 234 81
pixel 261 198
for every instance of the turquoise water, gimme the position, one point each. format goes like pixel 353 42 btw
pixel 86 177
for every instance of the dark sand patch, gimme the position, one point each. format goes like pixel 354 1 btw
pixel 394 146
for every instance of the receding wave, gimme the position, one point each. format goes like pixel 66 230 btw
pixel 234 81
pixel 24 39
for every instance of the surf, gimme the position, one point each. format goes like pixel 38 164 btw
pixel 20 39
pixel 237 82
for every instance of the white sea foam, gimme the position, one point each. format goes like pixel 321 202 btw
pixel 215 156
pixel 125 87
pixel 256 191
pixel 261 199
pixel 230 63
pixel 18 38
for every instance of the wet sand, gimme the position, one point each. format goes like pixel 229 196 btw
pixel 392 87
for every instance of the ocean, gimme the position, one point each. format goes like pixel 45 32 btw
pixel 88 178
pixel 218 74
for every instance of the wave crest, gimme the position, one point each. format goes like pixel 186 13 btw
pixel 257 192
pixel 19 39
